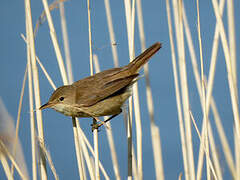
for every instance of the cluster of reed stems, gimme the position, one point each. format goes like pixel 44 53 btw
pixel 41 158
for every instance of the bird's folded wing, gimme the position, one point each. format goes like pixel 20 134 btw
pixel 99 90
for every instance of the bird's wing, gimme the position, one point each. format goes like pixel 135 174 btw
pixel 92 90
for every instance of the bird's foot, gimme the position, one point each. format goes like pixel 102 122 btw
pixel 96 126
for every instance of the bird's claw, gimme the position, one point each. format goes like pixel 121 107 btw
pixel 96 126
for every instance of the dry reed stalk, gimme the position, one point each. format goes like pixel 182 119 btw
pixel 224 141
pixel 96 157
pixel 54 87
pixel 204 148
pixel 66 42
pixel 203 96
pixel 184 85
pixel 32 119
pixel 136 100
pixel 77 148
pixel 197 77
pixel 156 140
pixel 30 37
pixel 130 144
pixel 42 67
pixel 213 65
pixel 48 156
pixel 111 32
pixel 131 158
pixel 213 59
pixel 63 74
pixel 82 172
pixel 177 92
pixel 77 145
pixel 116 64
pixel 113 152
pixel 236 149
pixel 41 19
pixel 46 74
pixel 95 131
pixel 129 120
pixel 211 74
pixel 55 43
pixel 90 165
pixel 231 81
pixel 232 49
pixel 198 83
pixel 109 131
pixel 5 153
pixel 130 19
pixel 232 85
pixel 215 154
pixel 83 176
pixel 18 117
pixel 134 165
pixel 85 140
pixel 6 167
pixel 131 35
pixel 209 85
pixel 231 37
pixel 209 101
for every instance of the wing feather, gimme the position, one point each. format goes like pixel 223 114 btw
pixel 90 90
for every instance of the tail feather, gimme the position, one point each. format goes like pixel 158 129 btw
pixel 143 58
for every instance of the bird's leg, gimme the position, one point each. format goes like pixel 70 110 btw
pixel 96 126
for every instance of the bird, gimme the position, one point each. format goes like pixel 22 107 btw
pixel 102 94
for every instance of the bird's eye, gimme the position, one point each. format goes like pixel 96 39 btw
pixel 61 98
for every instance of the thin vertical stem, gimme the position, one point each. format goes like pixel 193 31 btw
pixel 90 37
pixel 177 92
pixel 111 32
pixel 198 80
pixel 77 147
pixel 231 80
pixel 129 122
pixel 32 119
pixel 156 141
pixel 86 142
pixel 215 154
pixel 85 153
pixel 205 114
pixel 109 131
pixel 5 154
pixel 36 86
pixel 224 141
pixel 232 48
pixel 129 139
pixel 95 132
pixel 204 148
pixel 6 167
pixel 18 116
pixel 66 42
pixel 55 43
pixel 136 100
pixel 231 36
pixel 184 85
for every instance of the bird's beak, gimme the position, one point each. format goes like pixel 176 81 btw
pixel 47 105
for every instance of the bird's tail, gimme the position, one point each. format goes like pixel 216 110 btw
pixel 143 58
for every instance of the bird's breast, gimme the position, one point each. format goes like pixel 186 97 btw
pixel 69 110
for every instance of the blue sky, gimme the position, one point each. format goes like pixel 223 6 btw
pixel 58 128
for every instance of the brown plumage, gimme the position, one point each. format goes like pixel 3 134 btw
pixel 101 94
